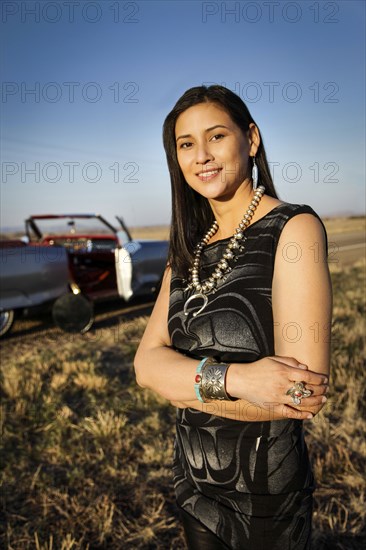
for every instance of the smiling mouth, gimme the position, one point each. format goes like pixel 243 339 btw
pixel 208 174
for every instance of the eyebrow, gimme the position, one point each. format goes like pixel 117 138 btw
pixel 207 130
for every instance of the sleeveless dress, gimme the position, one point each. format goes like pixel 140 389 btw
pixel 250 483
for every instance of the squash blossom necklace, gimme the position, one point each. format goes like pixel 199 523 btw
pixel 201 289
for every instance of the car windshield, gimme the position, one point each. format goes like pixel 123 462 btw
pixel 72 226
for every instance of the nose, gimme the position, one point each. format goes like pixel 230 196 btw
pixel 203 154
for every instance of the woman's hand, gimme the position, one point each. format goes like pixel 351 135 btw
pixel 265 383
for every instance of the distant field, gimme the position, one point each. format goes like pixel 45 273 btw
pixel 345 225
pixel 150 232
pixel 333 225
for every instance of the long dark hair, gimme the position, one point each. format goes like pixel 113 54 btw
pixel 191 213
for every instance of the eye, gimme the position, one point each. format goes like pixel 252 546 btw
pixel 216 137
pixel 185 145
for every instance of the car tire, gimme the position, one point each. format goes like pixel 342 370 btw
pixel 7 318
pixel 73 313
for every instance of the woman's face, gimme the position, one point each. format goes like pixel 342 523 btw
pixel 212 151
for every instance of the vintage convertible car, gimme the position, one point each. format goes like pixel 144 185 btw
pixel 70 261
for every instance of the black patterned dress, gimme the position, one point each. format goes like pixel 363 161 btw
pixel 248 482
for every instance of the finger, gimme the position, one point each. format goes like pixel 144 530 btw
pixel 316 390
pixel 289 361
pixel 320 389
pixel 307 376
pixel 308 402
pixel 289 412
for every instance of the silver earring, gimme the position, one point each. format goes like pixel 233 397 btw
pixel 255 175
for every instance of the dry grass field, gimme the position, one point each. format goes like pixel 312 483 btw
pixel 344 225
pixel 86 454
pixel 334 227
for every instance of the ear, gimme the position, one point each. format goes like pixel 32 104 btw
pixel 254 139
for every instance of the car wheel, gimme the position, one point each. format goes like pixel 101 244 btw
pixel 73 313
pixel 6 321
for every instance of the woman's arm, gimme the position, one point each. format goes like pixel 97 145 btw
pixel 157 365
pixel 302 296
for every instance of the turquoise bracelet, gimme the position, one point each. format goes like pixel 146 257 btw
pixel 198 379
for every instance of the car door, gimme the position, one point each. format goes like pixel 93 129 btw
pixel 124 261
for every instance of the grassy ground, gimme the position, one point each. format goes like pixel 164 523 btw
pixel 344 225
pixel 86 455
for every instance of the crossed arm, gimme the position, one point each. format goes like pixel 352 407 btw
pixel 302 305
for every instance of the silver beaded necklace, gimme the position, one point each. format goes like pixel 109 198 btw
pixel 223 266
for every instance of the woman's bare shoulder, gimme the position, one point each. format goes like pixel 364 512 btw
pixel 304 239
pixel 266 205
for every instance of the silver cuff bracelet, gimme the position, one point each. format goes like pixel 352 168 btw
pixel 213 381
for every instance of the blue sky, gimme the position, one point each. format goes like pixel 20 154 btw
pixel 105 74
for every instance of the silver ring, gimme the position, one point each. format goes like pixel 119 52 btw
pixel 297 392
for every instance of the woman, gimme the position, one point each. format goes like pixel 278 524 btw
pixel 239 336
